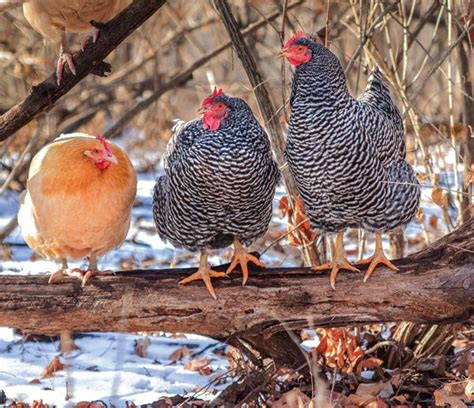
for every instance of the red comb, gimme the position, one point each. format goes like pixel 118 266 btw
pixel 215 93
pixel 292 39
pixel 104 142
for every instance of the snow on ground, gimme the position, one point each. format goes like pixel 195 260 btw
pixel 106 367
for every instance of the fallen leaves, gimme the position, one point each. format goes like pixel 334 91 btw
pixel 452 394
pixel 299 226
pixel 339 348
pixel 292 399
pixel 54 366
pixel 199 364
pixel 141 346
pixel 180 353
pixel 439 197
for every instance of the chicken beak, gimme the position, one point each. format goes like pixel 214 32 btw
pixel 202 110
pixel 283 53
pixel 112 159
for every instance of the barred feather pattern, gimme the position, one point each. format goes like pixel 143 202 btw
pixel 218 185
pixel 347 154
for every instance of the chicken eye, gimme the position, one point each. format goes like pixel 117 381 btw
pixel 96 151
pixel 220 105
pixel 300 48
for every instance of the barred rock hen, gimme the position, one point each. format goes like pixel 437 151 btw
pixel 218 186
pixel 347 154
pixel 52 18
pixel 78 201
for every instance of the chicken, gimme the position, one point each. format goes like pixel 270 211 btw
pixel 218 186
pixel 347 155
pixel 52 18
pixel 78 201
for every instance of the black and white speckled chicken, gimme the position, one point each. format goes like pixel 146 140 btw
pixel 347 154
pixel 218 186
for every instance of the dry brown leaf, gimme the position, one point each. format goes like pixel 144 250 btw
pixel 179 353
pixel 361 400
pixel 53 366
pixel 443 398
pixel 469 389
pixel 284 207
pixel 35 381
pixel 291 399
pixel 381 389
pixel 433 221
pixel 378 403
pixel 439 197
pixel 141 346
pixel 90 404
pixel 196 364
pixel 205 371
pixel 369 364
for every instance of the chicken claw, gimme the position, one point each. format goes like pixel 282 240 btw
pixel 242 257
pixel 204 273
pixel 93 35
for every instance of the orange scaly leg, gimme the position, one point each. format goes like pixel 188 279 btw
pixel 378 258
pixel 242 257
pixel 338 261
pixel 204 273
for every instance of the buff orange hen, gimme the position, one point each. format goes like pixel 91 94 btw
pixel 78 201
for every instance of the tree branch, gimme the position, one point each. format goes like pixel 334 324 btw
pixel 44 96
pixel 435 285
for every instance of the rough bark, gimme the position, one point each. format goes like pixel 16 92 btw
pixel 433 286
pixel 44 96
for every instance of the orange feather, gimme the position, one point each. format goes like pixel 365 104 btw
pixel 72 208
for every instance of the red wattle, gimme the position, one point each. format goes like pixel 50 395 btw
pixel 210 122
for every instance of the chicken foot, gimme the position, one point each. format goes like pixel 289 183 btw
pixel 379 257
pixel 83 276
pixel 65 58
pixel 93 35
pixel 242 257
pixel 65 271
pixel 204 273
pixel 338 262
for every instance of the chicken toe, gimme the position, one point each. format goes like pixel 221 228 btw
pixel 242 257
pixel 379 257
pixel 338 261
pixel 93 35
pixel 65 271
pixel 204 273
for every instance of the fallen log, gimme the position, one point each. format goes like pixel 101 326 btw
pixel 435 285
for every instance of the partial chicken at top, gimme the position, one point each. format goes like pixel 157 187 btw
pixel 219 184
pixel 347 154
pixel 78 202
pixel 54 18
